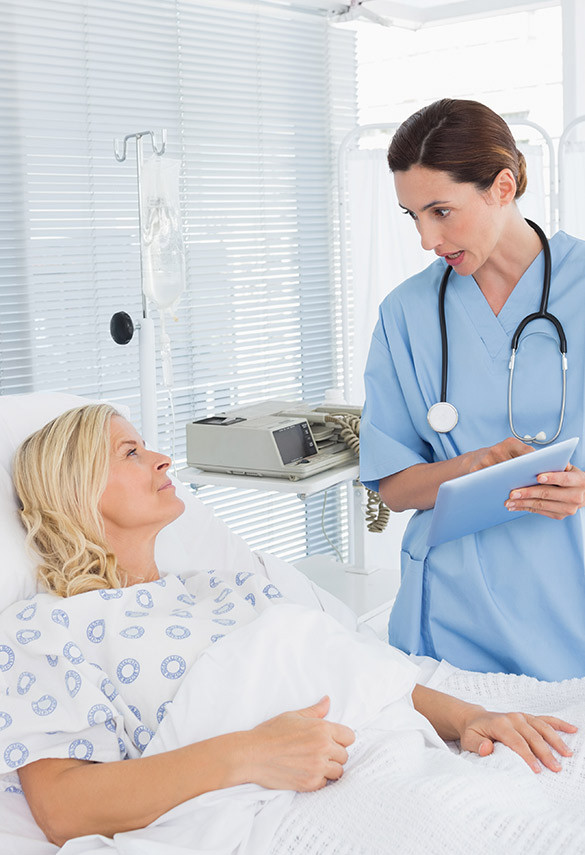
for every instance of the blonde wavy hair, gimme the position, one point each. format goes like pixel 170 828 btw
pixel 60 473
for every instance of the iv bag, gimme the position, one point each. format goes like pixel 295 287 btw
pixel 162 247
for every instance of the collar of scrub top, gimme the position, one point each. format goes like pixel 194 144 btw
pixel 443 416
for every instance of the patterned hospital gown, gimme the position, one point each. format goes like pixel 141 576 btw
pixel 90 677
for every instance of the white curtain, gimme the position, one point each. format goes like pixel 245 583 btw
pixel 384 246
pixel 533 203
pixel 572 213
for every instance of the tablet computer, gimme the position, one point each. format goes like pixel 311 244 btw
pixel 476 501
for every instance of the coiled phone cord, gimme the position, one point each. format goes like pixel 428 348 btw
pixel 377 513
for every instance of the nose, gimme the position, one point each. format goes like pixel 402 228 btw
pixel 162 461
pixel 430 236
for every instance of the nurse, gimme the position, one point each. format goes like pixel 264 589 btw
pixel 510 598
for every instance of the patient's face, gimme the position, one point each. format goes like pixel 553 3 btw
pixel 139 495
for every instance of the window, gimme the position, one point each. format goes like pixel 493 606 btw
pixel 255 104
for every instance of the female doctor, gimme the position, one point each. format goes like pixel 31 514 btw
pixel 512 597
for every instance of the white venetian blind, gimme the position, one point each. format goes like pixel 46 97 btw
pixel 255 102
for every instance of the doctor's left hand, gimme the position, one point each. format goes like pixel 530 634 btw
pixel 530 736
pixel 557 494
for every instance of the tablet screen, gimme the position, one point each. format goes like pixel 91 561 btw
pixel 475 501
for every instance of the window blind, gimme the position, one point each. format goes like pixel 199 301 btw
pixel 255 106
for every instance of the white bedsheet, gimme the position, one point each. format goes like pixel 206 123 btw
pixel 402 791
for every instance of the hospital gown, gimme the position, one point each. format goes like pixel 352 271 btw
pixel 510 598
pixel 91 677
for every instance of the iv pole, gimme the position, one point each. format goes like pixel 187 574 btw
pixel 121 325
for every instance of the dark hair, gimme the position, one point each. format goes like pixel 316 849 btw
pixel 465 139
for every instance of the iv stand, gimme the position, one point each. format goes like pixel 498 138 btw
pixel 121 325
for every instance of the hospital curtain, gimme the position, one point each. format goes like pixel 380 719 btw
pixel 572 179
pixel 534 203
pixel 384 250
pixel 573 208
pixel 255 103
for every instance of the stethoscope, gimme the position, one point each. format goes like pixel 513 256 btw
pixel 443 416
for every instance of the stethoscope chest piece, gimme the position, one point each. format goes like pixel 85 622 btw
pixel 442 417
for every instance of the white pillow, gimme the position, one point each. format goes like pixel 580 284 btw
pixel 196 540
pixel 20 415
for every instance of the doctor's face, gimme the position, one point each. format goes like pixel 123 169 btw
pixel 457 221
pixel 139 494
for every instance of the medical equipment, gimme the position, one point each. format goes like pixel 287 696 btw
pixel 162 271
pixel 443 416
pixel 121 324
pixel 281 439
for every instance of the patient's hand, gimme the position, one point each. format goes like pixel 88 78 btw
pixel 529 736
pixel 297 750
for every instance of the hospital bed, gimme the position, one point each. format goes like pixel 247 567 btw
pixel 396 795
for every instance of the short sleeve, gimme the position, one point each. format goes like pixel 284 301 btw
pixel 389 441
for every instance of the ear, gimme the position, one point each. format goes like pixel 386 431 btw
pixel 503 189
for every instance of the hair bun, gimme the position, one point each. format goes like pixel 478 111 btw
pixel 522 179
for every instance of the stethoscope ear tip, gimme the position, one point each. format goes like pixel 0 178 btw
pixel 540 437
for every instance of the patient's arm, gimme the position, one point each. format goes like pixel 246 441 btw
pixel 295 751
pixel 477 729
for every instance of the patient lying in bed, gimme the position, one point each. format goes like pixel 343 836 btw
pixel 226 693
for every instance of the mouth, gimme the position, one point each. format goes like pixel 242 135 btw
pixel 454 258
pixel 166 486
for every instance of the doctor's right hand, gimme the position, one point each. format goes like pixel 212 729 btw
pixel 505 450
pixel 297 750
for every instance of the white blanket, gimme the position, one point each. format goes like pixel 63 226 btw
pixel 287 659
pixel 398 797
pixel 402 790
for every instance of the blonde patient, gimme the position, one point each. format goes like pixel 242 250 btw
pixel 93 500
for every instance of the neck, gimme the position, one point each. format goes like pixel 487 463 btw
pixel 517 248
pixel 135 557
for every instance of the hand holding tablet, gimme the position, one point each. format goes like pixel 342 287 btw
pixel 476 501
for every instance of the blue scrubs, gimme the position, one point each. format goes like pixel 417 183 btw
pixel 510 598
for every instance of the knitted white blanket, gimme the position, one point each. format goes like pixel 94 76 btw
pixel 405 799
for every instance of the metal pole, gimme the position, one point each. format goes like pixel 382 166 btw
pixel 147 344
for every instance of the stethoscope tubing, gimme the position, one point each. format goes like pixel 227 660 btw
pixel 444 339
pixel 541 314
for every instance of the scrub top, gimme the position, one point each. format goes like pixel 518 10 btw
pixel 512 597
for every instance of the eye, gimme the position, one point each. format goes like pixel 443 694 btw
pixel 410 214
pixel 441 213
pixel 131 452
